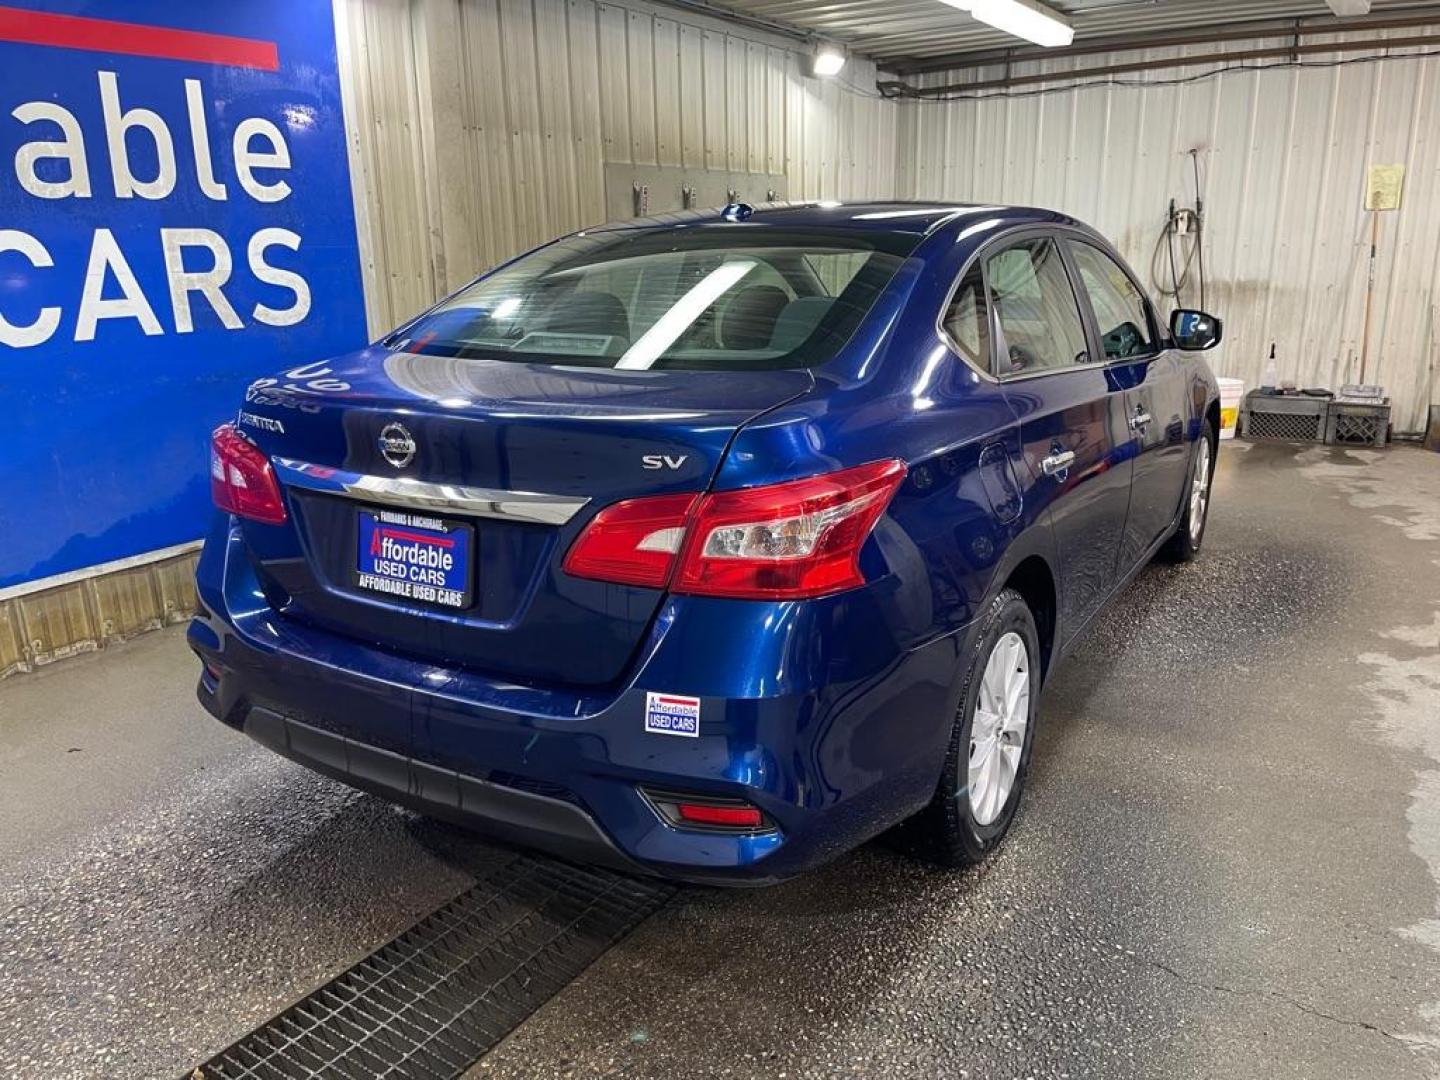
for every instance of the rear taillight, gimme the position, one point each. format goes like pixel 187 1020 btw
pixel 241 479
pixel 633 542
pixel 784 541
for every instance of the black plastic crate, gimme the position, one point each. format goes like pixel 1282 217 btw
pixel 1287 418
pixel 1354 424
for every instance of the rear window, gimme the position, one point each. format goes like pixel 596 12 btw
pixel 721 298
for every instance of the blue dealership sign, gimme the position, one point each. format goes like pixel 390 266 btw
pixel 175 220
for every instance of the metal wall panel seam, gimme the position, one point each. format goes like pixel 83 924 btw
pixel 360 182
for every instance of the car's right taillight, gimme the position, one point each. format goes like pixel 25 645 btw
pixel 787 541
pixel 241 479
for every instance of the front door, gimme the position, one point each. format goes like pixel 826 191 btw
pixel 1152 381
pixel 1071 419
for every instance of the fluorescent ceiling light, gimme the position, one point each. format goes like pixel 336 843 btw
pixel 682 314
pixel 1349 7
pixel 1028 19
pixel 827 61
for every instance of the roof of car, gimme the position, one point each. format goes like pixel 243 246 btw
pixel 916 218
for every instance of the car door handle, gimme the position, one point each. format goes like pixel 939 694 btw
pixel 1057 462
pixel 1140 421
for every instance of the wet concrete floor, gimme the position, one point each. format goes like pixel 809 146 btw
pixel 1227 864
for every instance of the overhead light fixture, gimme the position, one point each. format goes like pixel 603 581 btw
pixel 1345 8
pixel 682 315
pixel 1028 19
pixel 826 61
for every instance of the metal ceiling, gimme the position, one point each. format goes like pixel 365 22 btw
pixel 906 35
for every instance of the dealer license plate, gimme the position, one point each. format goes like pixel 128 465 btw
pixel 417 557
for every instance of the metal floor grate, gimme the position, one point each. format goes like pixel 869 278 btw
pixel 430 1003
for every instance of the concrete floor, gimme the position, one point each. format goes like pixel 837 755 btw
pixel 1228 864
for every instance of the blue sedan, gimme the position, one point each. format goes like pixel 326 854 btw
pixel 710 545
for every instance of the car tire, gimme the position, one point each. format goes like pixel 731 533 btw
pixel 1184 545
pixel 967 819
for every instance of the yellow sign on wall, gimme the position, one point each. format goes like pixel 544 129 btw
pixel 1382 190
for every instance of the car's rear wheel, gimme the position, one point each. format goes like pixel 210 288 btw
pixel 989 755
pixel 1190 533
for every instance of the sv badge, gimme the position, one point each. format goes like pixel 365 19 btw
pixel 663 461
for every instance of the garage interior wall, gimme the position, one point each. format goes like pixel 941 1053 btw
pixel 480 128
pixel 1284 154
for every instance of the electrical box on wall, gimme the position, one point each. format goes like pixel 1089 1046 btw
pixel 641 190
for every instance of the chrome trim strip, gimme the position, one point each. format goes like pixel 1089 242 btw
pixel 409 493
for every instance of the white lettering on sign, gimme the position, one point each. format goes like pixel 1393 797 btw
pixel 118 124
pixel 107 258
pixel 206 282
pixel 200 142
pixel 48 318
pixel 248 160
pixel 274 275
pixel 71 149
pixel 199 262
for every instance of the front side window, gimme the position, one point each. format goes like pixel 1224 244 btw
pixel 1036 308
pixel 1119 306
pixel 699 298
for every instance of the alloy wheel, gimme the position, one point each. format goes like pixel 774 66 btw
pixel 1200 490
pixel 997 730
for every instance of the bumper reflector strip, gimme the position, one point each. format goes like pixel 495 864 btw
pixel 742 817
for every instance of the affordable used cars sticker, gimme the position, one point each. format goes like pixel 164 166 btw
pixel 672 714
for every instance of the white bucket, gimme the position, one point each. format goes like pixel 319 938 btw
pixel 1231 391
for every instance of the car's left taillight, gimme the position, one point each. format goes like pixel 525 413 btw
pixel 789 541
pixel 241 479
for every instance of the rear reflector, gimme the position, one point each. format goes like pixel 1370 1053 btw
pixel 708 813
pixel 735 817
pixel 241 479
pixel 783 541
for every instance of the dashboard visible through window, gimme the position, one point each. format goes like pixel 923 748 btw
pixel 1120 309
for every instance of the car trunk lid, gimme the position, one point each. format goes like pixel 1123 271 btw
pixel 412 459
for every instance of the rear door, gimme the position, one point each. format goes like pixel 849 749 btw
pixel 1072 416
pixel 1153 382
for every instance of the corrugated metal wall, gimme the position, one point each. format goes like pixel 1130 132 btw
pixel 80 616
pixel 481 127
pixel 1284 155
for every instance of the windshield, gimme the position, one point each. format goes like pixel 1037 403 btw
pixel 722 299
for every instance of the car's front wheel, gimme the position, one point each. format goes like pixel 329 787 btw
pixel 989 752
pixel 1190 533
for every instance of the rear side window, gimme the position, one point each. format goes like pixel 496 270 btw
pixel 1036 308
pixel 967 320
pixel 702 298
pixel 1120 310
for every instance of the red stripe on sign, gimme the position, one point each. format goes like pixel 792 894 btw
pixel 135 39
pixel 675 700
pixel 401 534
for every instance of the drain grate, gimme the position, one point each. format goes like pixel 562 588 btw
pixel 430 1003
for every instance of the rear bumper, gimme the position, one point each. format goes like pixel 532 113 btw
pixel 507 813
pixel 809 711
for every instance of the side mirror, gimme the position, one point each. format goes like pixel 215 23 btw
pixel 1194 331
